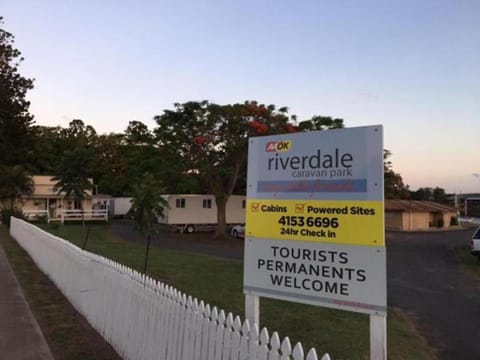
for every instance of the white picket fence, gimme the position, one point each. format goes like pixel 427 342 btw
pixel 143 318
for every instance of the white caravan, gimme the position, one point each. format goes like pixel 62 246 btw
pixel 120 206
pixel 193 212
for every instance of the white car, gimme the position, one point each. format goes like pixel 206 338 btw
pixel 238 231
pixel 476 243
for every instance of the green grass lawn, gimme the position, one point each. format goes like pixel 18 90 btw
pixel 344 335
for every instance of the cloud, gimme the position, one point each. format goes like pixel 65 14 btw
pixel 477 175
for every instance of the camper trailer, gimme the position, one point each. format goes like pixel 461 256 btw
pixel 119 206
pixel 193 212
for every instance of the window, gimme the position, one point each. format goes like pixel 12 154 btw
pixel 244 204
pixel 207 203
pixel 180 203
pixel 77 204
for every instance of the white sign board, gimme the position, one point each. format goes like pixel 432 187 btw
pixel 315 219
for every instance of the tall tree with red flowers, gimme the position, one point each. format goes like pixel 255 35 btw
pixel 210 141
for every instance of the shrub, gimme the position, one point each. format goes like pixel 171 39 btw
pixel 5 215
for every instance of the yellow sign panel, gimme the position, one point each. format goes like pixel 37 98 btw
pixel 340 222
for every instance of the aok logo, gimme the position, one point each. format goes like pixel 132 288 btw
pixel 278 146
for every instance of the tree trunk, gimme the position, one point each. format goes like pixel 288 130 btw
pixel 146 255
pixel 83 230
pixel 221 202
pixel 86 238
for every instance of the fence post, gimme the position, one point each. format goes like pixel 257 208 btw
pixel 252 309
pixel 378 337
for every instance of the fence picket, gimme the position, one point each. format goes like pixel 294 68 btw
pixel 162 336
pixel 263 348
pixel 200 309
pixel 181 304
pixel 227 337
pixel 188 341
pixel 145 319
pixel 219 335
pixel 254 343
pixel 237 328
pixel 205 332
pixel 274 353
pixel 286 349
pixel 312 355
pixel 212 330
pixel 151 321
pixel 243 353
pixel 298 352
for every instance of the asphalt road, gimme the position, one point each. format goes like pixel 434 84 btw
pixel 425 279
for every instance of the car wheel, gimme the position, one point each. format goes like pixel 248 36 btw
pixel 189 229
pixel 235 234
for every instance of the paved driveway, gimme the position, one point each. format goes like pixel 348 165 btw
pixel 425 279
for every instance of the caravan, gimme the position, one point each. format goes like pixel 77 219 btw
pixel 194 212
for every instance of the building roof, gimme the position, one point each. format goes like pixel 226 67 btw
pixel 417 206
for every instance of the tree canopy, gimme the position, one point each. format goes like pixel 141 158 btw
pixel 15 120
pixel 393 182
pixel 74 171
pixel 436 194
pixel 209 142
pixel 15 182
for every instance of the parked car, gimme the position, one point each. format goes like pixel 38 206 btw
pixel 476 243
pixel 238 231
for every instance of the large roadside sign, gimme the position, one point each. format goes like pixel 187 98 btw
pixel 315 219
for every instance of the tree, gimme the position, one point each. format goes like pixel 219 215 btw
pixel 209 143
pixel 15 182
pixel 110 168
pixel 436 194
pixel 15 120
pixel 73 178
pixel 141 154
pixel 318 122
pixel 147 207
pixel 423 194
pixel 49 145
pixel 393 182
pixel 137 133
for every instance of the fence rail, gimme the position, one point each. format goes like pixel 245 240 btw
pixel 145 319
pixel 34 214
pixel 89 215
pixel 69 215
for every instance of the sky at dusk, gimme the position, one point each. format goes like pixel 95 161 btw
pixel 412 66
